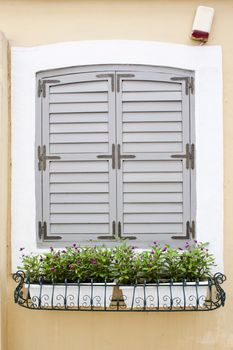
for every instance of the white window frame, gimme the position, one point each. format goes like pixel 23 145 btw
pixel 206 62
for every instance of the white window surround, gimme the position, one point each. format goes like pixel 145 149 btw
pixel 205 61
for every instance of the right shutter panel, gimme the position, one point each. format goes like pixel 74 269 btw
pixel 153 188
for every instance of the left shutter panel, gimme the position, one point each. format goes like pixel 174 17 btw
pixel 78 126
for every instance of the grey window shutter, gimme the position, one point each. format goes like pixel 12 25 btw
pixel 78 187
pixel 153 188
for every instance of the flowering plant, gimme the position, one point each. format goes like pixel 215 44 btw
pixel 122 262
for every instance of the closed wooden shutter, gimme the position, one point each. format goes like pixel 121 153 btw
pixel 140 118
pixel 153 188
pixel 78 119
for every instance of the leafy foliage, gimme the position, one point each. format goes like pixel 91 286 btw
pixel 122 262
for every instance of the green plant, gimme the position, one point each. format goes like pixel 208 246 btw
pixel 123 263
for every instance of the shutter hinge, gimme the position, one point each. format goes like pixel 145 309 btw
pixel 42 233
pixel 119 76
pixel 189 156
pixel 112 237
pixel 42 157
pixel 124 237
pixel 111 76
pixel 42 86
pixel 190 231
pixel 189 83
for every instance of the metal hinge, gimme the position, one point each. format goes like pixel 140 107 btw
pixel 190 231
pixel 189 156
pixel 42 157
pixel 42 86
pixel 111 76
pixel 119 76
pixel 109 156
pixel 42 233
pixel 124 237
pixel 189 83
pixel 112 237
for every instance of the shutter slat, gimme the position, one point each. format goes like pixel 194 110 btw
pixel 79 118
pixel 73 128
pixel 79 97
pixel 88 86
pixel 79 218
pixel 151 96
pixel 79 166
pixel 161 116
pixel 79 229
pixel 152 197
pixel 79 198
pixel 153 218
pixel 79 188
pixel 147 85
pixel 78 107
pixel 78 177
pixel 152 177
pixel 92 147
pixel 150 147
pixel 153 228
pixel 153 208
pixel 155 126
pixel 152 187
pixel 151 106
pixel 79 208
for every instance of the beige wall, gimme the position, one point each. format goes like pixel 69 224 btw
pixel 39 22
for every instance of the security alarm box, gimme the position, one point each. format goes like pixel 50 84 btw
pixel 202 23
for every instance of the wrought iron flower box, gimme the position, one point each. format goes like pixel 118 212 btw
pixel 170 296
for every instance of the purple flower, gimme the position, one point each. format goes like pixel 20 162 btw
pixel 52 269
pixel 71 267
pixel 155 243
pixel 51 249
pixel 152 252
pixel 63 251
pixel 21 249
pixel 180 249
pixel 93 261
pixel 195 241
pixel 74 245
pixel 164 249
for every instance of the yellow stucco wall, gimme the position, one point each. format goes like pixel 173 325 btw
pixel 35 22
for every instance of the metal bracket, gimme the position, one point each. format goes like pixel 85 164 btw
pixel 42 232
pixel 119 76
pixel 189 83
pixel 112 76
pixel 190 231
pixel 189 156
pixel 122 156
pixel 42 86
pixel 113 236
pixel 42 157
pixel 124 237
pixel 110 156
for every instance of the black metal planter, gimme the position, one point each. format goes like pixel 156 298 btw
pixel 149 297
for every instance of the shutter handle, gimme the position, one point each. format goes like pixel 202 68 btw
pixel 109 156
pixel 123 156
